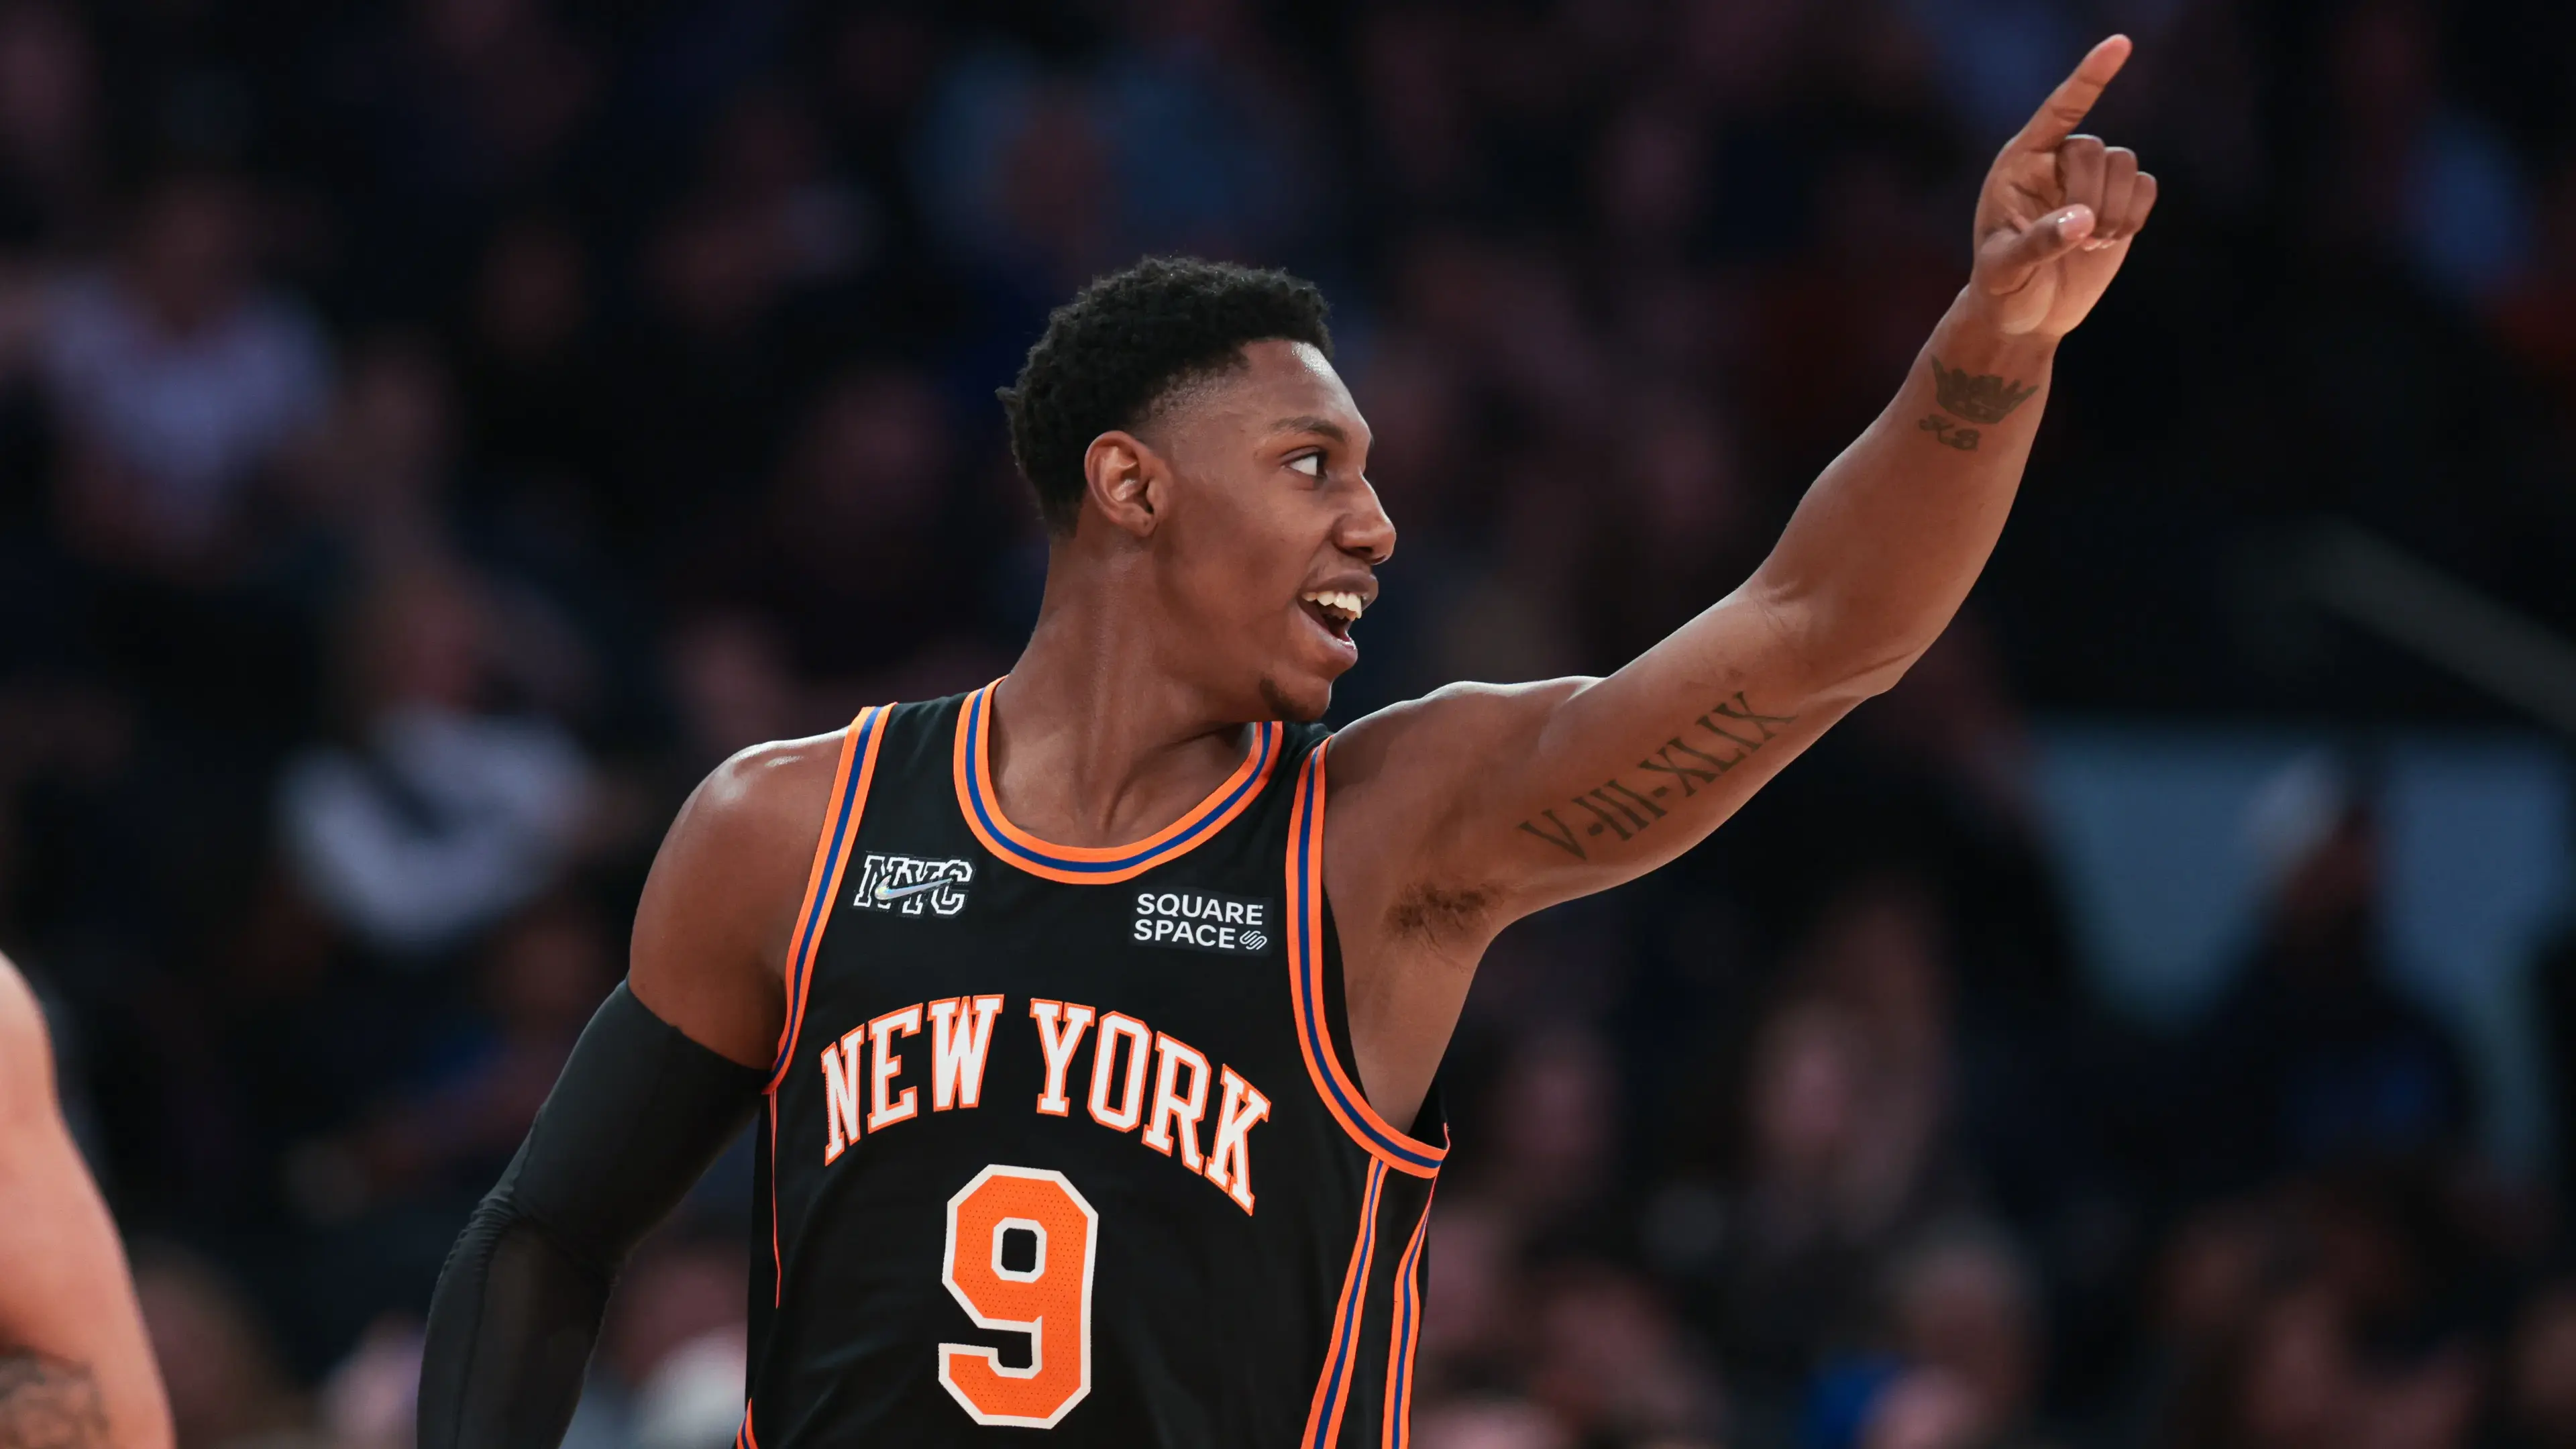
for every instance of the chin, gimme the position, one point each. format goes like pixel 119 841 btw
pixel 1298 701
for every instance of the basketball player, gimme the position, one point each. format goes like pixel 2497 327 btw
pixel 1091 1019
pixel 76 1371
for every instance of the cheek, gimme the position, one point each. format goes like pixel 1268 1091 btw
pixel 1245 565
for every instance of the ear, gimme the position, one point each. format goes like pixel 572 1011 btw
pixel 1127 481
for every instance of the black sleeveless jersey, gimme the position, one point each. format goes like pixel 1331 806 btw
pixel 1062 1145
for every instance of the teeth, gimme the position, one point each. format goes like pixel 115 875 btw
pixel 1338 601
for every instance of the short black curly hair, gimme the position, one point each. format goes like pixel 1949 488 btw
pixel 1126 343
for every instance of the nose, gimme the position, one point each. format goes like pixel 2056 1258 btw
pixel 1364 529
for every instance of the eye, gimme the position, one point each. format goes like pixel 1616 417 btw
pixel 1311 464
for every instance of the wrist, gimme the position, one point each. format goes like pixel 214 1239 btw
pixel 1972 334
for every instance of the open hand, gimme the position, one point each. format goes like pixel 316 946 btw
pixel 2058 210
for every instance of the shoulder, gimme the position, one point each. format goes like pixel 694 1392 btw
pixel 771 796
pixel 1406 784
pixel 720 903
pixel 26 1052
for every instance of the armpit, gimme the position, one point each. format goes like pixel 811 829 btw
pixel 1438 915
pixel 48 1403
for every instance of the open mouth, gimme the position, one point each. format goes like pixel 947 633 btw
pixel 1334 610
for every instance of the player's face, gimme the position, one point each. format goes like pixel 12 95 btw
pixel 1275 534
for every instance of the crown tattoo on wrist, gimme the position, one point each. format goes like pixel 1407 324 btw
pixel 1983 398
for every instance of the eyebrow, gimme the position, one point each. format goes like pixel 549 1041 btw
pixel 1312 424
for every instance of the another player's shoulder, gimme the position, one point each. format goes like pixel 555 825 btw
pixel 26 1053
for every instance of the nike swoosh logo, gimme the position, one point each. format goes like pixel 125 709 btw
pixel 899 892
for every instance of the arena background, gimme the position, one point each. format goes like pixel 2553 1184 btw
pixel 436 433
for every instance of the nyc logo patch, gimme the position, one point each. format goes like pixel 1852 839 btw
pixel 907 883
pixel 1228 925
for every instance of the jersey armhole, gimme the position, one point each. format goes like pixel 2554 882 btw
pixel 1337 1024
pixel 1307 974
pixel 847 802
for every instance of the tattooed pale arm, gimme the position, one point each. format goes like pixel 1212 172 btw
pixel 76 1371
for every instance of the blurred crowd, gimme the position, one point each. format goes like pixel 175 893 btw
pixel 434 432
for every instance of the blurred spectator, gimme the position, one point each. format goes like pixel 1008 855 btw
pixel 2314 1055
pixel 1489 1424
pixel 529 363
pixel 694 1398
pixel 2422 176
pixel 1965 1307
pixel 371 1399
pixel 50 192
pixel 378 472
pixel 1825 1190
pixel 538 983
pixel 850 544
pixel 440 816
pixel 1473 1326
pixel 2537 314
pixel 676 1335
pixel 734 687
pixel 227 1387
pixel 1877 952
pixel 2540 1371
pixel 178 379
pixel 2291 1376
pixel 1013 169
pixel 586 392
pixel 1558 1105
pixel 1208 132
pixel 1685 536
pixel 1612 1364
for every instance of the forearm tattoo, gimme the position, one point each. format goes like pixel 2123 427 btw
pixel 1978 397
pixel 1719 740
pixel 46 1403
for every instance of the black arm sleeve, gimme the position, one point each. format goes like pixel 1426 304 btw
pixel 632 1123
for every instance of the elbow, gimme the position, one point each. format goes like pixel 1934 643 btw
pixel 1873 675
pixel 1845 659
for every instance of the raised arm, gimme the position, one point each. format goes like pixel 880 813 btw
pixel 1458 812
pixel 1537 793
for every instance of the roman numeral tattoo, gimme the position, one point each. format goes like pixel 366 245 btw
pixel 1616 808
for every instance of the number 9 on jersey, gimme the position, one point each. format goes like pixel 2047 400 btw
pixel 1049 1299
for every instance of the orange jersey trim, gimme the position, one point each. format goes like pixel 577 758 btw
pixel 1332 1396
pixel 777 1261
pixel 847 802
pixel 1098 864
pixel 1405 1335
pixel 1341 1094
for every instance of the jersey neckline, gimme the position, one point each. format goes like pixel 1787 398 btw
pixel 1095 865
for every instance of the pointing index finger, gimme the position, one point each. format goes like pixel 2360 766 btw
pixel 2066 107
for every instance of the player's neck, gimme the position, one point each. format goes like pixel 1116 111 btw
pixel 1095 740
